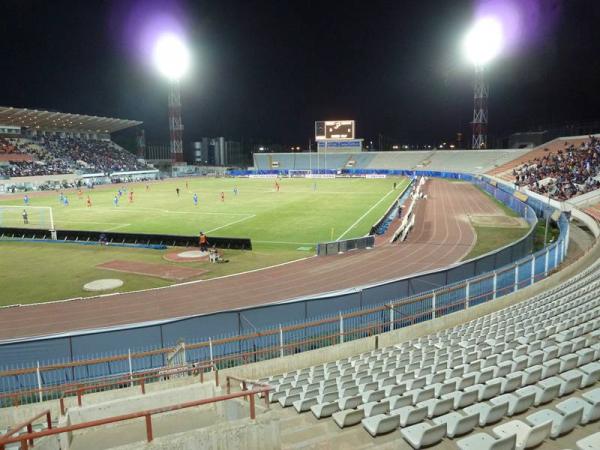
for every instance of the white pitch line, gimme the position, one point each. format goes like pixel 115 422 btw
pixel 283 242
pixel 364 215
pixel 119 209
pixel 231 223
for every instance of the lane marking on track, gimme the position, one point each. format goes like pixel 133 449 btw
pixel 364 215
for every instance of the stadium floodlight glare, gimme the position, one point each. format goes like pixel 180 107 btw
pixel 483 41
pixel 171 56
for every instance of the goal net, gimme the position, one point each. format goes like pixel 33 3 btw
pixel 39 217
pixel 299 173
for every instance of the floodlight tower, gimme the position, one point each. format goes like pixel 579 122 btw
pixel 482 43
pixel 172 60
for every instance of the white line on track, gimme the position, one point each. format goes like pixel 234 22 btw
pixel 231 223
pixel 364 215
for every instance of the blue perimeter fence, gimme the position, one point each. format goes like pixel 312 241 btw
pixel 265 332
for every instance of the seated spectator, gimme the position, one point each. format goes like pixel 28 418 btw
pixel 565 174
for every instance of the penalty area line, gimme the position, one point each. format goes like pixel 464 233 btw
pixel 231 223
pixel 364 215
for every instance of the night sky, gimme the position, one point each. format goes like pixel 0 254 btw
pixel 271 68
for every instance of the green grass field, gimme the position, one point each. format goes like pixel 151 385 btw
pixel 297 215
pixel 283 226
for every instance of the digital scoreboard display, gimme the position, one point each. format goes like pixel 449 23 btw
pixel 334 129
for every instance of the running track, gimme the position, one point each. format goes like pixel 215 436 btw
pixel 442 236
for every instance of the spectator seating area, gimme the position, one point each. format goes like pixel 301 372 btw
pixel 472 161
pixel 563 174
pixel 515 378
pixel 56 156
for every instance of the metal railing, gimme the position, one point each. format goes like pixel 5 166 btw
pixel 29 424
pixel 27 439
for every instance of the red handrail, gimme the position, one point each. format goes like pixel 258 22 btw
pixel 146 414
pixel 28 424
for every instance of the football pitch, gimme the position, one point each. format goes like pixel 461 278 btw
pixel 283 226
pixel 302 213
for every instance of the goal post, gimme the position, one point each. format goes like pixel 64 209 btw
pixel 299 173
pixel 27 217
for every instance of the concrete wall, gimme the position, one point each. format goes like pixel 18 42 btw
pixel 17 414
pixel 263 433
pixel 124 404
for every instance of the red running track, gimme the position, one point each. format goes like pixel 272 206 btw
pixel 442 236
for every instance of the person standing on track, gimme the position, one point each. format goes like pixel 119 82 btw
pixel 203 241
pixel 26 200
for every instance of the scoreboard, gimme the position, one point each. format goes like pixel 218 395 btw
pixel 334 129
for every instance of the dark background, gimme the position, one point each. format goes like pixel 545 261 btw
pixel 271 68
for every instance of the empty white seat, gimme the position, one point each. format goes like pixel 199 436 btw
pixel 321 410
pixel 590 374
pixel 410 414
pixel 419 395
pixel 589 442
pixel 561 424
pixel 375 408
pixel 483 441
pixel 328 397
pixel 488 413
pixel 350 402
pixel 532 375
pixel 591 412
pixel 395 389
pixel 348 417
pixel 526 436
pixel 398 401
pixel 550 368
pixel 437 406
pixel 462 399
pixel 423 434
pixel 304 404
pixel 288 400
pixel 568 362
pixel 458 424
pixel 518 402
pixel 545 392
pixel 571 380
pixel 380 424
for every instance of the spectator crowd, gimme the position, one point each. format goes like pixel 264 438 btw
pixel 62 155
pixel 571 171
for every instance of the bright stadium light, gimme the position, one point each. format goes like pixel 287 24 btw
pixel 484 41
pixel 171 57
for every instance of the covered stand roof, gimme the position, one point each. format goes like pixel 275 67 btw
pixel 51 120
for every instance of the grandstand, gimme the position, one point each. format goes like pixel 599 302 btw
pixel 50 143
pixel 469 161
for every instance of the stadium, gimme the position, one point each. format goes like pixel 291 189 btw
pixel 339 297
